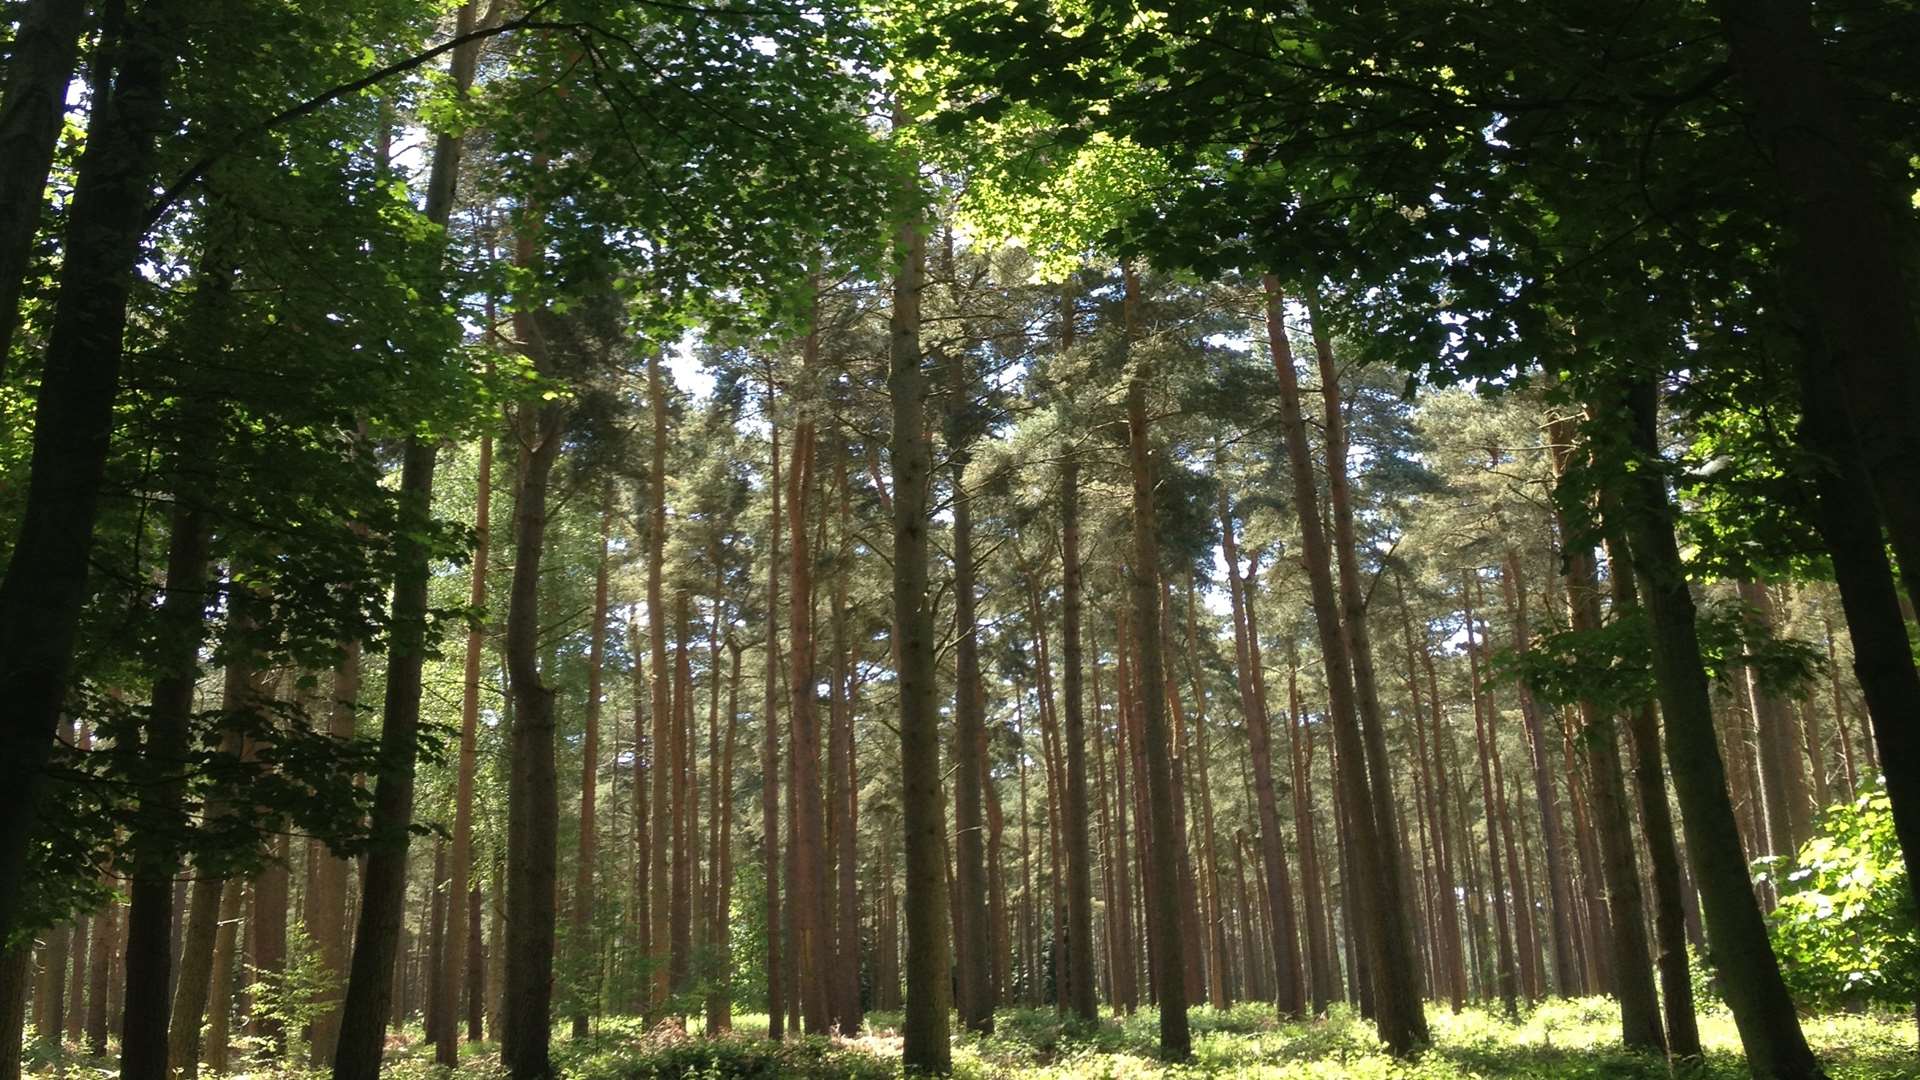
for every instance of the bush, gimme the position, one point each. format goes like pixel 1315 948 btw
pixel 1846 929
pixel 667 1055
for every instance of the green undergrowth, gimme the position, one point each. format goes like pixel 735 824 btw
pixel 1558 1040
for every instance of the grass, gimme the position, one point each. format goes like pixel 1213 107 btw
pixel 1558 1040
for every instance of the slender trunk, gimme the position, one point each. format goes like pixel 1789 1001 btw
pixel 327 885
pixel 812 943
pixel 40 64
pixel 1656 822
pixel 1505 974
pixel 384 880
pixel 1882 659
pixel 580 909
pixel 455 970
pixel 99 978
pixel 1749 973
pixel 1164 841
pixel 770 749
pixel 45 584
pixel 150 910
pixel 1400 1017
pixel 217 1048
pixel 922 805
pixel 1396 976
pixel 1079 860
pixel 1285 943
pixel 533 798
pixel 1552 838
pixel 844 781
pixel 660 749
pixel 720 998
pixel 972 921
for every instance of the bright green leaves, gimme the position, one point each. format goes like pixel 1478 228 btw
pixel 1846 928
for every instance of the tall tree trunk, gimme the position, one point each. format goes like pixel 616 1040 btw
pixel 1854 278
pixel 1164 840
pixel 1783 776
pixel 1400 1017
pixel 844 781
pixel 533 798
pixel 384 879
pixel 1882 660
pixel 1080 992
pixel 812 944
pixel 922 804
pixel 217 1048
pixel 327 885
pixel 580 910
pixel 1505 973
pixel 1656 823
pixel 1285 943
pixel 660 749
pixel 45 585
pixel 720 998
pixel 1397 976
pixel 99 976
pixel 1633 978
pixel 1749 973
pixel 972 921
pixel 46 45
pixel 16 979
pixel 1552 838
pixel 770 748
pixel 150 910
pixel 455 971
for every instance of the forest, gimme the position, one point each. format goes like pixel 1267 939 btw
pixel 1012 539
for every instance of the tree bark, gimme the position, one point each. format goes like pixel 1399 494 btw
pixel 327 886
pixel 1164 841
pixel 45 585
pixel 770 748
pixel 46 47
pixel 1882 660
pixel 533 798
pixel 446 1051
pixel 580 909
pixel 1400 1017
pixel 1750 975
pixel 925 1027
pixel 384 878
pixel 972 920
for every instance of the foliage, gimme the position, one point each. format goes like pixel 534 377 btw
pixel 1847 929
pixel 293 996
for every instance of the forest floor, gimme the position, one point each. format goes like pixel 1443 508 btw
pixel 1571 1039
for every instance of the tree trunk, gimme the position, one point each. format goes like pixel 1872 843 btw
pixel 327 885
pixel 217 1048
pixel 384 877
pixel 1285 943
pixel 143 1039
pixel 446 1051
pixel 1505 974
pixel 45 585
pixel 1400 1017
pixel 1656 822
pixel 1749 973
pixel 770 748
pixel 1164 841
pixel 1882 660
pixel 40 64
pixel 1854 278
pixel 660 751
pixel 925 1026
pixel 720 998
pixel 99 976
pixel 844 781
pixel 580 910
pixel 1397 975
pixel 533 797
pixel 812 945
pixel 972 920
pixel 1079 935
